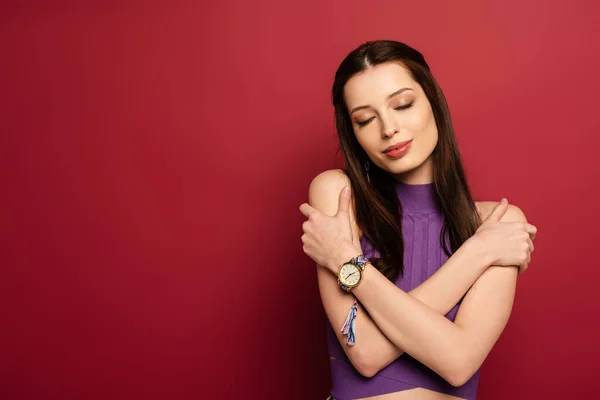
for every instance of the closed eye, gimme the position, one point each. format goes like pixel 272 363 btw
pixel 363 123
pixel 404 107
pixel 400 108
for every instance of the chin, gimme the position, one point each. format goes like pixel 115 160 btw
pixel 402 165
pixel 405 165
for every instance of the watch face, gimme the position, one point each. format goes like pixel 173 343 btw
pixel 349 274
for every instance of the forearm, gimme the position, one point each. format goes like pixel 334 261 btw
pixel 451 281
pixel 452 349
pixel 372 350
pixel 440 292
pixel 410 324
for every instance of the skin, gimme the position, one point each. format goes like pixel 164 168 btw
pixel 387 123
pixel 483 267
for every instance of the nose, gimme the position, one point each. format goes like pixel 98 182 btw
pixel 388 128
pixel 389 132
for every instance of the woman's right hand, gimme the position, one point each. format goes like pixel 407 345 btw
pixel 505 243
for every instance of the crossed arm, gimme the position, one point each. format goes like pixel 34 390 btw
pixel 416 323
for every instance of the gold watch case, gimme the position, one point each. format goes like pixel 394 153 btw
pixel 349 275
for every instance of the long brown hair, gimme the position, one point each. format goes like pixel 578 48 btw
pixel 378 210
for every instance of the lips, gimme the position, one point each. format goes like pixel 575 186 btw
pixel 397 146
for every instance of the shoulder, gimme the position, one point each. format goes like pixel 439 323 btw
pixel 324 195
pixel 325 188
pixel 513 214
pixel 331 178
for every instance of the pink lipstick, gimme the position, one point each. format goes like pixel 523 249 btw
pixel 397 150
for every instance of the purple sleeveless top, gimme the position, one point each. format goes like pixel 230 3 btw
pixel 421 227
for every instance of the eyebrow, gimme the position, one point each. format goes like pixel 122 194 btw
pixel 397 92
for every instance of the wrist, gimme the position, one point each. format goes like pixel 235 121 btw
pixel 345 253
pixel 480 257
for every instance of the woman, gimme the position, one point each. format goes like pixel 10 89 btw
pixel 417 279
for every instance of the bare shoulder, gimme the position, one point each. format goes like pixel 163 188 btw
pixel 324 195
pixel 325 188
pixel 330 179
pixel 513 214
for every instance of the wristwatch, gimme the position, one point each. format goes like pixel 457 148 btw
pixel 350 272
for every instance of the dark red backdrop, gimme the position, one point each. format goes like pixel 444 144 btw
pixel 153 157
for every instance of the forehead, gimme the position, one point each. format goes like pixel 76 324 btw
pixel 376 83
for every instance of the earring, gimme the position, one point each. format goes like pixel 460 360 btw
pixel 367 171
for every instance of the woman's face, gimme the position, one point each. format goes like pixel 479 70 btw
pixel 393 121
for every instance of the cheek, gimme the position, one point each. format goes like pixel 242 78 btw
pixel 422 119
pixel 424 128
pixel 368 138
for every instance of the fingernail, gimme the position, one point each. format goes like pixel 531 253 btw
pixel 347 189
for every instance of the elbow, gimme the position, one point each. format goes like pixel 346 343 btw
pixel 459 374
pixel 457 380
pixel 368 371
pixel 364 364
pixel 366 368
pixel 458 365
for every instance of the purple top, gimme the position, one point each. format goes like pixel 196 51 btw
pixel 422 222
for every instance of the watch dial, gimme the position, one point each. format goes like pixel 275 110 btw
pixel 350 274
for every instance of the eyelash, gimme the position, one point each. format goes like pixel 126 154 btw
pixel 363 123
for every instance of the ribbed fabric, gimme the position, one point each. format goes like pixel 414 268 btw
pixel 422 222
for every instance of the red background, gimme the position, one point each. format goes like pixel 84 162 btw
pixel 153 158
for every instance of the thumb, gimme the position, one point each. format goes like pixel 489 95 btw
pixel 344 204
pixel 498 211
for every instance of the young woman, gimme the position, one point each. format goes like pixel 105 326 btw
pixel 417 279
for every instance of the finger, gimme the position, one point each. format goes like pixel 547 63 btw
pixel 523 267
pixel 532 230
pixel 525 264
pixel 307 209
pixel 305 227
pixel 498 211
pixel 530 243
pixel 344 203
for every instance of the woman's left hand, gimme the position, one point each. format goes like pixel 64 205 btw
pixel 328 239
